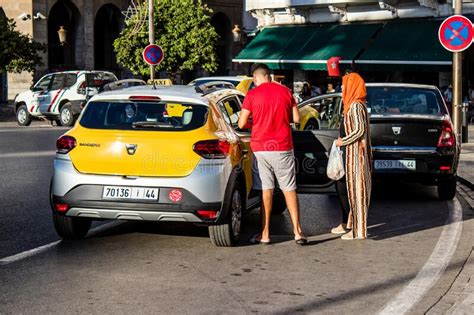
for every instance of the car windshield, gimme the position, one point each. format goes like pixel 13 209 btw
pixel 143 116
pixel 404 100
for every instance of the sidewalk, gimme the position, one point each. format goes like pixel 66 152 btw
pixel 461 293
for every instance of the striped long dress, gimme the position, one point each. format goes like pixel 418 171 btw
pixel 358 167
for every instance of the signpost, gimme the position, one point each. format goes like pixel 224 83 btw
pixel 456 35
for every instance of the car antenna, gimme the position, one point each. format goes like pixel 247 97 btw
pixel 154 85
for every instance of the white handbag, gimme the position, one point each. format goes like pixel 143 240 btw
pixel 335 169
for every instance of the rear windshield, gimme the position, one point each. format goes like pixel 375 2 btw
pixel 402 100
pixel 99 79
pixel 144 116
pixel 204 81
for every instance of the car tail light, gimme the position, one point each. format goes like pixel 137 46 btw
pixel 446 138
pixel 175 195
pixel 445 168
pixel 61 207
pixel 65 144
pixel 207 214
pixel 82 88
pixel 212 149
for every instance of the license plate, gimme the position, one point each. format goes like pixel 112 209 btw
pixel 135 193
pixel 395 165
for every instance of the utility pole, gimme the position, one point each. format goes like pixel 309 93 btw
pixel 151 32
pixel 457 81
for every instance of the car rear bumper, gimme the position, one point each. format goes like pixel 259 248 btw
pixel 201 190
pixel 431 164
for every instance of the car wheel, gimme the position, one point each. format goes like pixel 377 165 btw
pixel 311 125
pixel 279 202
pixel 447 189
pixel 58 122
pixel 23 116
pixel 71 228
pixel 66 116
pixel 228 233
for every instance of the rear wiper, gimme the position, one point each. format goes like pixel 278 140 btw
pixel 151 124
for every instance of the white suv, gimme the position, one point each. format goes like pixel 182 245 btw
pixel 60 96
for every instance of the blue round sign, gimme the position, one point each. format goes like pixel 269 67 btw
pixel 456 33
pixel 153 54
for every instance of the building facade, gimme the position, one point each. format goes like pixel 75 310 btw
pixel 391 40
pixel 91 26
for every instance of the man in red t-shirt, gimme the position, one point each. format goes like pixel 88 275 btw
pixel 272 108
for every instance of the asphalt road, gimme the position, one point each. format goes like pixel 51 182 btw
pixel 137 267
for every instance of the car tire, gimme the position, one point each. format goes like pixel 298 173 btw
pixel 447 189
pixel 66 115
pixel 71 228
pixel 58 122
pixel 311 125
pixel 279 202
pixel 228 232
pixel 23 117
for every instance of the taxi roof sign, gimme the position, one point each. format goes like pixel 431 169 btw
pixel 160 82
pixel 456 33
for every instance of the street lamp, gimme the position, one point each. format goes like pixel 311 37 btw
pixel 62 35
pixel 236 33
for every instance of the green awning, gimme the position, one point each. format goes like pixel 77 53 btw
pixel 406 45
pixel 307 47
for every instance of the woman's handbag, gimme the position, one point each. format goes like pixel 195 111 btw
pixel 335 169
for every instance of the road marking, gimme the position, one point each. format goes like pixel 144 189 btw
pixel 434 267
pixel 44 248
pixel 17 129
pixel 28 253
pixel 27 154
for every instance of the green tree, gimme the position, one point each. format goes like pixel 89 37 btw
pixel 18 52
pixel 182 29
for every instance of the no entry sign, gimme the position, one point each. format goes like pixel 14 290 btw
pixel 456 33
pixel 153 54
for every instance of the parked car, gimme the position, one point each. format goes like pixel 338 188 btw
pixel 411 132
pixel 60 96
pixel 241 83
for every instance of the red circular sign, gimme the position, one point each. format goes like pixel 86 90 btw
pixel 153 54
pixel 456 33
pixel 175 195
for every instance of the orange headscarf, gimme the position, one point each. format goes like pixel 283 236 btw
pixel 353 90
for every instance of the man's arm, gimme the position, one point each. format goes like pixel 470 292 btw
pixel 296 115
pixel 244 119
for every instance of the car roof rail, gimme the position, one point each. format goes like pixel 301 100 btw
pixel 212 86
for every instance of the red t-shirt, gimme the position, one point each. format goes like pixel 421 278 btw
pixel 271 105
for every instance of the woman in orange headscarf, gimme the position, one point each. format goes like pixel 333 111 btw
pixel 358 154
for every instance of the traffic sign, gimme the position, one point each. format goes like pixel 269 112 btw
pixel 153 54
pixel 456 33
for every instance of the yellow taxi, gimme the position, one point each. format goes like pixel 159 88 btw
pixel 163 154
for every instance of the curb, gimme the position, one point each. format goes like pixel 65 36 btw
pixel 465 182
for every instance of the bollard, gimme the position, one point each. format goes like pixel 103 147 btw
pixel 465 123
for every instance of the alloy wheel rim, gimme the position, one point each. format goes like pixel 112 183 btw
pixel 236 213
pixel 22 116
pixel 65 116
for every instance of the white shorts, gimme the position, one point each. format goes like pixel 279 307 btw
pixel 269 165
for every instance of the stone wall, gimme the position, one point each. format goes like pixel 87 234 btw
pixel 18 82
